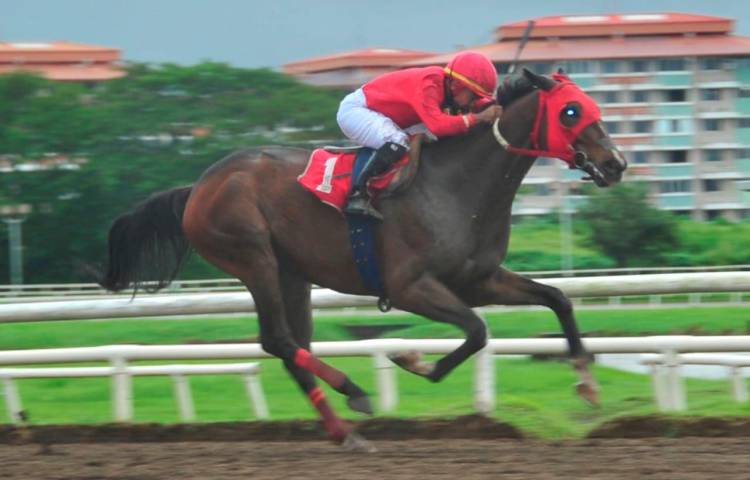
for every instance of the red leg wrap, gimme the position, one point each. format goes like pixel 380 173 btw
pixel 336 428
pixel 309 362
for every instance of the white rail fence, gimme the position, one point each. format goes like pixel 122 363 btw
pixel 119 357
pixel 241 302
pixel 30 292
pixel 669 385
pixel 122 390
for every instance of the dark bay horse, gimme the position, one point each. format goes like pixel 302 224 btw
pixel 440 246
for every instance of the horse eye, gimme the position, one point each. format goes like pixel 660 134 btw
pixel 570 114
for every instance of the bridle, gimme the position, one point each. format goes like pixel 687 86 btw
pixel 576 159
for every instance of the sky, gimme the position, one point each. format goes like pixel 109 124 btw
pixel 270 33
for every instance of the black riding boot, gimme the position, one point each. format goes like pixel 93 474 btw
pixel 380 161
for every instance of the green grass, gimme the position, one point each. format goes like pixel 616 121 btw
pixel 537 397
pixel 509 324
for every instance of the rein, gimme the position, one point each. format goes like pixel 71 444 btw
pixel 574 158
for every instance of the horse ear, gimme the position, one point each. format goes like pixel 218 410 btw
pixel 539 81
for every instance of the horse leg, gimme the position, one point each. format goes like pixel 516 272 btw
pixel 276 338
pixel 296 294
pixel 429 298
pixel 507 288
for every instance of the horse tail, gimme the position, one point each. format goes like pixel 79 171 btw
pixel 147 246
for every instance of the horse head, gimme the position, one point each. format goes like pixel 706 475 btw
pixel 568 125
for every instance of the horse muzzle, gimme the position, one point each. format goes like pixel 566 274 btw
pixel 603 173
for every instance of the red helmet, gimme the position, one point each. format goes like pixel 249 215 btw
pixel 475 71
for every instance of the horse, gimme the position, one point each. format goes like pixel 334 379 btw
pixel 440 246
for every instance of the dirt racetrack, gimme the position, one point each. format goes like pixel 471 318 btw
pixel 406 450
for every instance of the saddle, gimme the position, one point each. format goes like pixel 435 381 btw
pixel 328 174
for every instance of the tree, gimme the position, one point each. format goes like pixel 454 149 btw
pixel 625 227
pixel 159 127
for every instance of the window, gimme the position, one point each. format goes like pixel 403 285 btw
pixel 639 66
pixel 674 186
pixel 742 153
pixel 711 125
pixel 711 63
pixel 710 94
pixel 743 123
pixel 743 93
pixel 713 214
pixel 577 67
pixel 642 126
pixel 543 68
pixel 610 66
pixel 712 155
pixel 672 64
pixel 639 157
pixel 673 125
pixel 612 127
pixel 674 96
pixel 677 156
pixel 639 96
pixel 611 97
pixel 711 185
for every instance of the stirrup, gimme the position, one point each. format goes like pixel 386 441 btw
pixel 360 205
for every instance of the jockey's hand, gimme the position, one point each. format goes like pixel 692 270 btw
pixel 489 114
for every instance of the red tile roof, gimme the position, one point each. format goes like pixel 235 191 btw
pixel 371 57
pixel 614 48
pixel 617 25
pixel 74 72
pixel 55 52
pixel 61 60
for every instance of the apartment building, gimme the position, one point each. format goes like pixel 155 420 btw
pixel 675 95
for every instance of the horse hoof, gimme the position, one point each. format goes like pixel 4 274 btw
pixel 360 404
pixel 411 361
pixel 357 443
pixel 589 393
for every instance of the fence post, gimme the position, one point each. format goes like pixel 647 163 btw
pixel 122 390
pixel 12 400
pixel 386 380
pixel 658 381
pixel 255 394
pixel 484 378
pixel 184 397
pixel 675 382
pixel 739 387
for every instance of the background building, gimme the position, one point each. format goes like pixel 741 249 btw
pixel 62 61
pixel 675 94
pixel 349 70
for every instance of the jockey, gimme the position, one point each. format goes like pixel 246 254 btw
pixel 439 100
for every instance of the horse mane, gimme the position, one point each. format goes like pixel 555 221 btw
pixel 513 87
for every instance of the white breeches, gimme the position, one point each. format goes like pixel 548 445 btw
pixel 368 127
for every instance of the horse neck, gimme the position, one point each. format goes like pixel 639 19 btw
pixel 476 171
